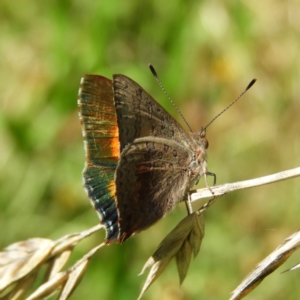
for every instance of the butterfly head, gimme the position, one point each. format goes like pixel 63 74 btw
pixel 202 136
pixel 198 165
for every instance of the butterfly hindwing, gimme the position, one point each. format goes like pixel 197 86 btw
pixel 152 177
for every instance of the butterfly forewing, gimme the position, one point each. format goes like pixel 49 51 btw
pixel 139 115
pixel 100 131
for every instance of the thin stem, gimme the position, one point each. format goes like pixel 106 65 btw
pixel 230 187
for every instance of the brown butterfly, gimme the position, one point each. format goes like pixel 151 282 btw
pixel 140 162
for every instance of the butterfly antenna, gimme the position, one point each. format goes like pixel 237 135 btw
pixel 173 103
pixel 218 115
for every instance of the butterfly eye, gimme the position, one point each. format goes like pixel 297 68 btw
pixel 205 143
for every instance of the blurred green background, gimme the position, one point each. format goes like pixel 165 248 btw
pixel 205 52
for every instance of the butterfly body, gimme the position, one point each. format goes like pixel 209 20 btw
pixel 140 162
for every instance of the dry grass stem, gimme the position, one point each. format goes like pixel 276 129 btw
pixel 21 262
pixel 267 266
pixel 222 189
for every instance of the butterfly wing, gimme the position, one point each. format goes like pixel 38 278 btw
pixel 152 176
pixel 154 170
pixel 139 115
pixel 156 152
pixel 101 142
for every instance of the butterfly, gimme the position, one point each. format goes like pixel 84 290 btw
pixel 140 162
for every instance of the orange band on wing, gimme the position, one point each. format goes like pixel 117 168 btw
pixel 115 143
pixel 112 187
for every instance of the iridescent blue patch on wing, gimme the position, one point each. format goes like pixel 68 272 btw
pixel 101 142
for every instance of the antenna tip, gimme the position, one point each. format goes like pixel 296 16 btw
pixel 250 84
pixel 152 70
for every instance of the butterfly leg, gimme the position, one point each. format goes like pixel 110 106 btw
pixel 215 180
pixel 213 175
pixel 188 204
